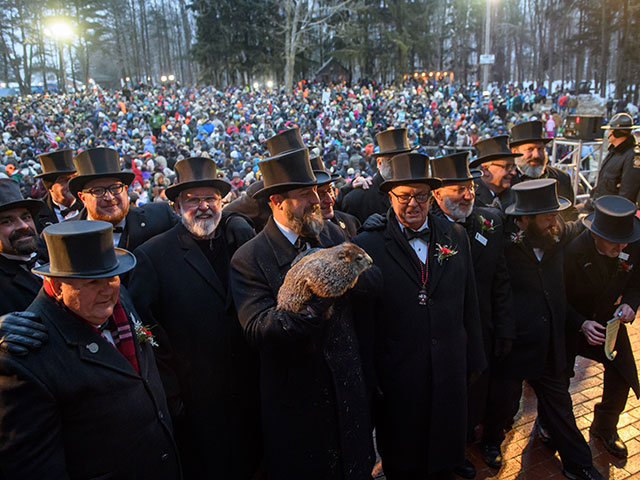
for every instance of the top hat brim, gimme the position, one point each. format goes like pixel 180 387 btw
pixel 173 191
pixel 494 156
pixel 392 152
pixel 515 143
pixel 387 185
pixel 78 182
pixel 34 206
pixel 563 204
pixel 630 127
pixel 322 178
pixel 126 262
pixel 51 176
pixel 474 174
pixel 633 237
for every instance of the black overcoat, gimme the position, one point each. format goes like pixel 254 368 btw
pixel 424 353
pixel 204 360
pixel 594 284
pixel 620 172
pixel 77 409
pixel 347 223
pixel 47 214
pixel 361 203
pixel 18 286
pixel 315 420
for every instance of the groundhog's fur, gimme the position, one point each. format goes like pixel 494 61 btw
pixel 325 273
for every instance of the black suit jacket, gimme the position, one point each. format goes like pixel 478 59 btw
pixel 347 223
pixel 423 353
pixel 594 284
pixel 315 416
pixel 204 359
pixel 486 198
pixel 76 408
pixel 361 203
pixel 47 215
pixel 18 286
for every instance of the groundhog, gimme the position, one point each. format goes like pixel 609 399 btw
pixel 324 273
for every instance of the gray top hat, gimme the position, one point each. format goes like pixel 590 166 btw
pixel 534 197
pixel 614 219
pixel 11 197
pixel 620 121
pixel 83 249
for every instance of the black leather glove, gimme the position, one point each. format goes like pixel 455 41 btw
pixel 502 347
pixel 21 332
pixel 375 222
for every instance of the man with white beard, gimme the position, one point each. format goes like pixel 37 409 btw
pixel 455 202
pixel 180 287
pixel 528 139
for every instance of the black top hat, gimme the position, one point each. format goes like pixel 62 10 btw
pixel 11 197
pixel 410 168
pixel 83 249
pixel 391 142
pixel 196 172
pixel 287 171
pixel 97 163
pixel 620 121
pixel 492 148
pixel 534 197
pixel 453 168
pixel 286 141
pixel 59 162
pixel 614 219
pixel 527 132
pixel 320 171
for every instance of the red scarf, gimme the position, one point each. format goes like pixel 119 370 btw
pixel 117 324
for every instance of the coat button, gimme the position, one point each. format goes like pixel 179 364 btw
pixel 430 301
pixel 164 457
pixel 160 414
pixel 434 341
pixel 142 224
pixel 544 319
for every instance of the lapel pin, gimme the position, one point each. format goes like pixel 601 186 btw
pixel 93 347
pixel 143 224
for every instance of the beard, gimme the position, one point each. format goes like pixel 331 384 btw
pixel 385 169
pixel 24 247
pixel 544 239
pixel 531 171
pixel 113 218
pixel 456 210
pixel 202 225
pixel 311 223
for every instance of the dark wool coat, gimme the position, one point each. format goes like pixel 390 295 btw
pixel 18 286
pixel 565 189
pixel 620 172
pixel 594 284
pixel 77 409
pixel 423 353
pixel 315 420
pixel 485 198
pixel 539 299
pixel 347 223
pixel 204 360
pixel 47 215
pixel 361 203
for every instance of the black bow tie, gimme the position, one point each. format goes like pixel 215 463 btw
pixel 73 208
pixel 413 234
pixel 118 229
pixel 301 243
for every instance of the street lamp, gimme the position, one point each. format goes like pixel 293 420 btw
pixel 163 78
pixel 172 78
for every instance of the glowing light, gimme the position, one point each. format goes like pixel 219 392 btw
pixel 256 85
pixel 59 29
pixel 172 77
pixel 269 84
pixel 163 78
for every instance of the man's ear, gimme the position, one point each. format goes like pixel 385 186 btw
pixel 82 196
pixel 276 200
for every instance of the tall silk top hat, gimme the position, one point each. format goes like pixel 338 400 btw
pixel 391 142
pixel 83 249
pixel 195 172
pixel 410 168
pixel 11 197
pixel 290 140
pixel 620 121
pixel 453 168
pixel 527 132
pixel 493 148
pixel 97 163
pixel 287 171
pixel 58 162
pixel 538 196
pixel 614 219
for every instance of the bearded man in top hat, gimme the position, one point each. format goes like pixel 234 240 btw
pixel 454 201
pixel 59 203
pixel 89 403
pixel 497 164
pixel 528 139
pixel 315 416
pixel 620 170
pixel 535 257
pixel 602 283
pixel 428 336
pixel 180 287
pixel 362 203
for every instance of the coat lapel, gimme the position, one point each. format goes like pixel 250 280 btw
pixel 282 248
pixel 136 222
pixel 21 277
pixel 442 237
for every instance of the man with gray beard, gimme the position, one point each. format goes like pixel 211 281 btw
pixel 180 287
pixel 455 202
pixel 528 139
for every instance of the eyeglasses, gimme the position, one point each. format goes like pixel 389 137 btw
pixel 115 189
pixel 419 197
pixel 462 189
pixel 508 167
pixel 194 202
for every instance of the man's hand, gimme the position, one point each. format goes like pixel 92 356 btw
pixel 625 313
pixel 593 332
pixel 362 182
pixel 21 332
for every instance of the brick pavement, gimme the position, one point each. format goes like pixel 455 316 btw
pixel 526 458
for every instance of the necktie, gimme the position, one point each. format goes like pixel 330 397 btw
pixel 301 244
pixel 413 234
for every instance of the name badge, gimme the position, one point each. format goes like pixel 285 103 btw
pixel 481 238
pixel 623 256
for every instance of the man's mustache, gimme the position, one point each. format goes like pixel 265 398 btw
pixel 24 232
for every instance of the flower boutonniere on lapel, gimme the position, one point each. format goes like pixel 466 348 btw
pixel 486 225
pixel 624 266
pixel 143 334
pixel 444 252
pixel 517 237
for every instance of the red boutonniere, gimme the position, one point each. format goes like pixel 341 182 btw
pixel 623 266
pixel 517 237
pixel 143 334
pixel 486 225
pixel 444 252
